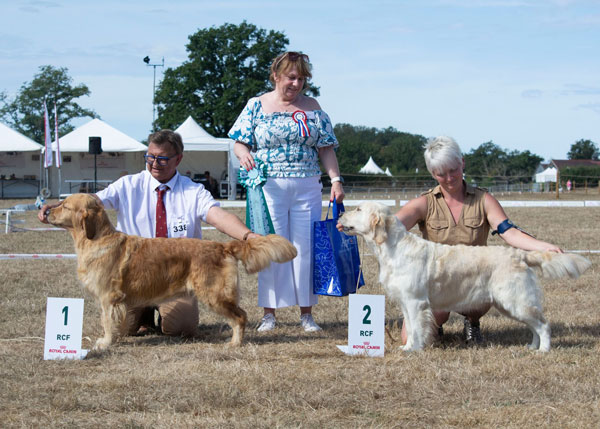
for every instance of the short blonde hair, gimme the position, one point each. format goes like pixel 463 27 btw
pixel 442 153
pixel 288 60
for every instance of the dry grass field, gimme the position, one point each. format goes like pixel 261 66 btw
pixel 289 378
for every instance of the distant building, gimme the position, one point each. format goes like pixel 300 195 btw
pixel 564 163
pixel 546 171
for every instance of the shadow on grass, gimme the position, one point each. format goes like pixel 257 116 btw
pixel 220 333
pixel 561 336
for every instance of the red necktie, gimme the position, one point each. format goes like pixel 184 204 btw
pixel 161 214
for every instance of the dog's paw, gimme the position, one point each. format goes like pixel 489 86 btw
pixel 233 345
pixel 537 347
pixel 101 344
pixel 94 354
pixel 411 348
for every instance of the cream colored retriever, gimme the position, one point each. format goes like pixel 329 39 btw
pixel 422 275
pixel 123 270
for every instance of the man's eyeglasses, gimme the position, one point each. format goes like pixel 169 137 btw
pixel 160 160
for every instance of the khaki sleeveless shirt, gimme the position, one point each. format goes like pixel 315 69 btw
pixel 472 227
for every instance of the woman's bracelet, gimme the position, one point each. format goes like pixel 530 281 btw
pixel 246 235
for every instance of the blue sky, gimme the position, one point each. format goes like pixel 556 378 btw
pixel 522 73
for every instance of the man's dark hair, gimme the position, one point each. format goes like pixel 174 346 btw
pixel 163 137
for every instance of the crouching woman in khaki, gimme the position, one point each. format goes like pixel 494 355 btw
pixel 456 213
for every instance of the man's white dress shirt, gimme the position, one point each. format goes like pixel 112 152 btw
pixel 134 198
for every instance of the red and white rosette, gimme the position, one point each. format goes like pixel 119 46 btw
pixel 300 118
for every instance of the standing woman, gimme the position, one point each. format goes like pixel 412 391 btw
pixel 289 133
pixel 456 213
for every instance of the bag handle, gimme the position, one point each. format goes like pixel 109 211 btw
pixel 337 209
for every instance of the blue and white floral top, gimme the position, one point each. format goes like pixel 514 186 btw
pixel 278 140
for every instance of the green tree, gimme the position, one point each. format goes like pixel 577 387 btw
pixel 523 164
pixel 401 152
pixel 357 143
pixel 583 149
pixel 226 66
pixel 491 161
pixel 25 113
pixel 488 160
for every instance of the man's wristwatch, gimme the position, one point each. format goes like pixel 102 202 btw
pixel 336 179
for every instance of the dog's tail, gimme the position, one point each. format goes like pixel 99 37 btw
pixel 257 253
pixel 555 265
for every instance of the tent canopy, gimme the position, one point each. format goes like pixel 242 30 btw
pixel 113 140
pixel 220 161
pixel 548 175
pixel 13 141
pixel 388 172
pixel 195 138
pixel 371 168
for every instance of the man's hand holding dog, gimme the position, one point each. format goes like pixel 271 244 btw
pixel 43 213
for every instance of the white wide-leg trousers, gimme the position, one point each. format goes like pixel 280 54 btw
pixel 294 204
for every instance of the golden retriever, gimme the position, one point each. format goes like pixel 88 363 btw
pixel 422 275
pixel 124 270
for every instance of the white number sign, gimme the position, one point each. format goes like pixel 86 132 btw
pixel 64 323
pixel 366 325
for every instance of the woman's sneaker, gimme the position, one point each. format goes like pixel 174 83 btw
pixel 267 323
pixel 308 323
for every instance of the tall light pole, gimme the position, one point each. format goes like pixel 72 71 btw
pixel 147 61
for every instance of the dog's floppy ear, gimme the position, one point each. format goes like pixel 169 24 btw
pixel 87 220
pixel 379 227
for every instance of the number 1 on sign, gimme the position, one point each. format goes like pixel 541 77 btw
pixel 65 310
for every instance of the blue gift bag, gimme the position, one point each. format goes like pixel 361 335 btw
pixel 336 262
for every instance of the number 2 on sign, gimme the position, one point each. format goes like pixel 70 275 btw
pixel 367 310
pixel 65 310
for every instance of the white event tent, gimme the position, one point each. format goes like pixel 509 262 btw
pixel 388 172
pixel 371 168
pixel 203 152
pixel 121 155
pixel 548 175
pixel 20 158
